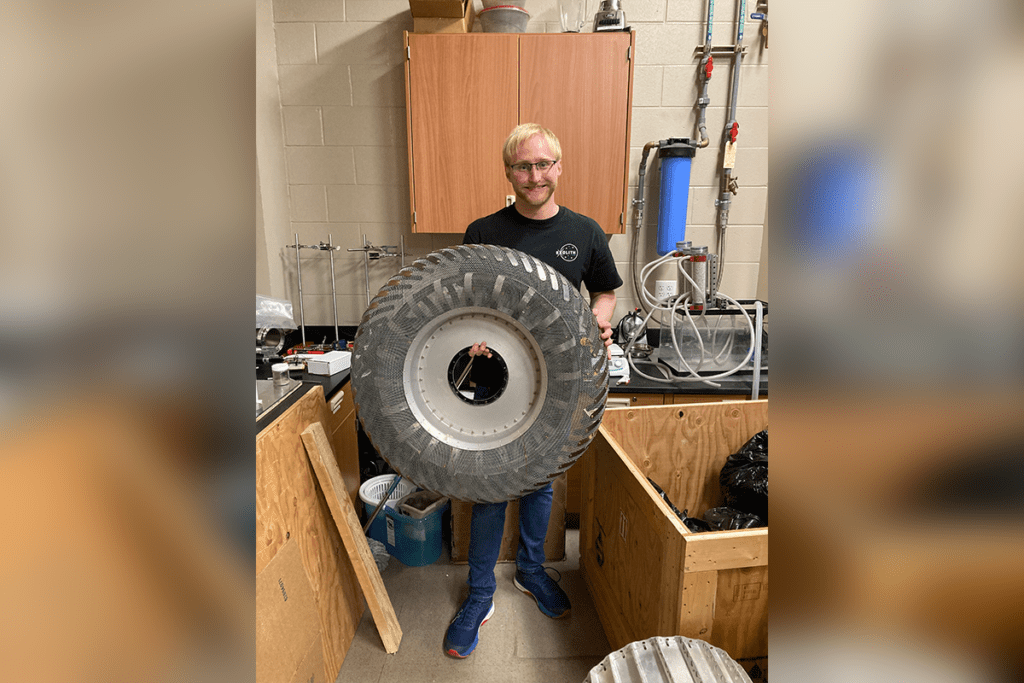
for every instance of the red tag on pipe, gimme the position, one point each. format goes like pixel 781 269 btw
pixel 734 131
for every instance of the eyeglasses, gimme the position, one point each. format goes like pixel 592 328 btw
pixel 524 167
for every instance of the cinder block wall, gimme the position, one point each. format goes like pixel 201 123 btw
pixel 343 153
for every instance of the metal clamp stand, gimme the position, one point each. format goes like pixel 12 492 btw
pixel 372 253
pixel 323 246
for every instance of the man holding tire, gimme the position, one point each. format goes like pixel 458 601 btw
pixel 576 247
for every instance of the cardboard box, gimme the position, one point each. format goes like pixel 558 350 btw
pixel 554 544
pixel 455 9
pixel 444 24
pixel 329 363
pixel 648 574
pixel 287 623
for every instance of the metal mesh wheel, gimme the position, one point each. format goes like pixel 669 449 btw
pixel 536 404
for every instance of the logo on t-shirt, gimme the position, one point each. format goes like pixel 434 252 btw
pixel 568 252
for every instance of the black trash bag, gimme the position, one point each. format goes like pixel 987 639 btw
pixel 692 523
pixel 744 478
pixel 664 497
pixel 758 443
pixel 729 519
pixel 695 524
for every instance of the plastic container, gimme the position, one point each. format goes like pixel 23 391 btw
pixel 420 504
pixel 280 373
pixel 675 191
pixel 503 19
pixel 372 490
pixel 415 542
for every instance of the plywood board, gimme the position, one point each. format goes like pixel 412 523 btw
pixel 683 448
pixel 716 584
pixel 318 448
pixel 632 548
pixel 740 607
pixel 311 670
pixel 697 605
pixel 289 508
pixel 726 550
pixel 286 619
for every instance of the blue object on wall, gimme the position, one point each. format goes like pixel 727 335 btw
pixel 835 195
pixel 676 158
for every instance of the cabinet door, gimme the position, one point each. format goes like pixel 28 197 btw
pixel 341 429
pixel 578 85
pixel 462 101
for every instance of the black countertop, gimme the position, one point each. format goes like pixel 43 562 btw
pixel 330 383
pixel 738 384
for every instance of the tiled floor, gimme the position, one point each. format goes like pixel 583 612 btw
pixel 518 644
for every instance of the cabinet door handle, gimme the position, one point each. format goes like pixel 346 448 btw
pixel 336 401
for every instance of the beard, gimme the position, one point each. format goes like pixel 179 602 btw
pixel 538 196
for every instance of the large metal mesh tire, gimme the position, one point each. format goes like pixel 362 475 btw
pixel 410 351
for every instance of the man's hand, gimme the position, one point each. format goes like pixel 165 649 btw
pixel 606 330
pixel 603 305
pixel 481 349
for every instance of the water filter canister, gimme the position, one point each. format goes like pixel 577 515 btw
pixel 675 157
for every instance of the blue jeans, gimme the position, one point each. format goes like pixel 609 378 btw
pixel 485 531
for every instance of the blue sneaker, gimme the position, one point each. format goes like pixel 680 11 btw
pixel 464 631
pixel 551 599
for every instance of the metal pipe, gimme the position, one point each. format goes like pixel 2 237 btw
pixel 711 19
pixel 737 62
pixel 729 185
pixel 366 268
pixel 718 49
pixel 334 293
pixel 638 216
pixel 298 276
pixel 706 64
pixel 758 326
pixel 380 505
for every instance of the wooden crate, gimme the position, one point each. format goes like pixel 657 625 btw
pixel 648 574
pixel 292 515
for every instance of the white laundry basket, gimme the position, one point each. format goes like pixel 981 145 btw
pixel 372 490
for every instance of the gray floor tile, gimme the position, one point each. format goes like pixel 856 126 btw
pixel 517 645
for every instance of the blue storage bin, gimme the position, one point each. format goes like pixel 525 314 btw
pixel 415 542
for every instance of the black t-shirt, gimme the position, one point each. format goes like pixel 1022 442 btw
pixel 571 243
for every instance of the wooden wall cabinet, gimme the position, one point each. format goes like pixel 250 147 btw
pixel 466 92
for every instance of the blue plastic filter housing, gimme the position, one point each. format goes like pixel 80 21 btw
pixel 675 157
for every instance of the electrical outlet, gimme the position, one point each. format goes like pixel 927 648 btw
pixel 664 289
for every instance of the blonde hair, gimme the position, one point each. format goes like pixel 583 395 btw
pixel 523 132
